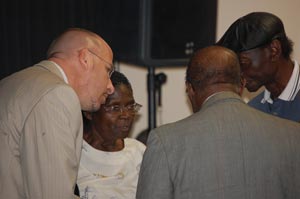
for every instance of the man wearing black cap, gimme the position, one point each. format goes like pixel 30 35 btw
pixel 264 52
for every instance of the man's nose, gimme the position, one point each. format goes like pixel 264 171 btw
pixel 110 87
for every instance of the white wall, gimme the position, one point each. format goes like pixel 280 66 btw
pixel 175 105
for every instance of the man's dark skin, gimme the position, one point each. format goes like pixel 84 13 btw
pixel 266 66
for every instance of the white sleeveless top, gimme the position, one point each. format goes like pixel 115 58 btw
pixel 110 175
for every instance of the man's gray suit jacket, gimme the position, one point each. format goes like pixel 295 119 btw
pixel 227 150
pixel 40 134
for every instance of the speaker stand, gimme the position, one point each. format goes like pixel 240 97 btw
pixel 151 98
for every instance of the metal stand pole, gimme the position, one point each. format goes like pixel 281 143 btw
pixel 151 98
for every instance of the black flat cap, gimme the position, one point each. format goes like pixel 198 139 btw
pixel 251 31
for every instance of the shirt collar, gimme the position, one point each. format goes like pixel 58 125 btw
pixel 291 89
pixel 62 72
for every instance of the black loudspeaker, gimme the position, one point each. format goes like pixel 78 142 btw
pixel 157 32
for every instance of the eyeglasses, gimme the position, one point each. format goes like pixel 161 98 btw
pixel 111 68
pixel 117 109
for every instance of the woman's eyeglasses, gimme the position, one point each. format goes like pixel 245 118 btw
pixel 131 108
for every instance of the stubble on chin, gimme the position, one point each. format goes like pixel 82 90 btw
pixel 95 106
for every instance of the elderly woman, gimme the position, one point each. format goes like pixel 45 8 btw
pixel 110 161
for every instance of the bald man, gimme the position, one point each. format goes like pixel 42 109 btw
pixel 226 149
pixel 40 116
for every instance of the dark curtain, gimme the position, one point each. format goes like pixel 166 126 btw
pixel 27 27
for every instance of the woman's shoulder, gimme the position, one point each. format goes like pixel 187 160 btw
pixel 134 145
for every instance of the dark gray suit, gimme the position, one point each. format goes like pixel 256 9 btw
pixel 227 150
pixel 40 134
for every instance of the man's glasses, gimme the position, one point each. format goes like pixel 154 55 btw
pixel 117 109
pixel 111 67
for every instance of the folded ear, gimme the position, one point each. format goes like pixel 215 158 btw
pixel 189 90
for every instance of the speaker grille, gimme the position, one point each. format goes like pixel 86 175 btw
pixel 160 32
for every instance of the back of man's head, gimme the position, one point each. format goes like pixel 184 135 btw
pixel 254 30
pixel 212 66
pixel 211 70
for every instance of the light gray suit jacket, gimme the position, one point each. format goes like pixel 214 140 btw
pixel 40 134
pixel 227 150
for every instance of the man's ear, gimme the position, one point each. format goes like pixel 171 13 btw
pixel 189 89
pixel 276 50
pixel 85 58
pixel 193 96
